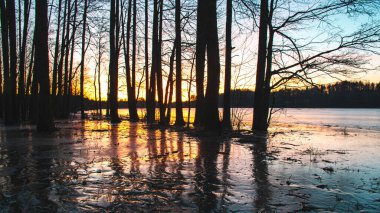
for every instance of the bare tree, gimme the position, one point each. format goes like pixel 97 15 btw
pixel 45 117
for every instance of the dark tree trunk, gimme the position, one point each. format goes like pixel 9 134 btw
pixel 151 112
pixel 45 118
pixel 132 106
pixel 8 110
pixel 113 66
pixel 82 60
pixel 259 119
pixel 64 112
pixel 56 52
pixel 178 97
pixel 268 76
pixel 169 87
pixel 13 60
pixel 200 62
pixel 211 113
pixel 58 102
pixel 146 55
pixel 70 75
pixel 21 80
pixel 227 81
pixel 159 68
pixel 1 87
pixel 29 80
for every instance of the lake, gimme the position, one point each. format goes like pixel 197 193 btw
pixel 311 160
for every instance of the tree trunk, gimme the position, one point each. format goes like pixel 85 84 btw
pixel 58 102
pixel 13 60
pixel 82 60
pixel 211 113
pixel 169 87
pixel 45 118
pixel 8 110
pixel 259 119
pixel 113 66
pixel 159 68
pixel 132 106
pixel 227 80
pixel 146 56
pixel 200 62
pixel 64 112
pixel 178 97
pixel 151 112
pixel 1 87
pixel 56 52
pixel 21 81
pixel 70 75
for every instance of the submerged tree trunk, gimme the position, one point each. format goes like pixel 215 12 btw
pixel 64 112
pixel 132 100
pixel 211 113
pixel 200 62
pixel 159 68
pixel 8 110
pixel 113 66
pixel 146 55
pixel 56 52
pixel 227 78
pixel 259 119
pixel 45 118
pixel 82 61
pixel 70 75
pixel 178 97
pixel 151 112
pixel 21 80
pixel 13 61
pixel 169 87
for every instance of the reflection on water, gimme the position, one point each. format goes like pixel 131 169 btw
pixel 93 166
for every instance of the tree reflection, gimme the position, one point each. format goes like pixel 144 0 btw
pixel 206 180
pixel 260 172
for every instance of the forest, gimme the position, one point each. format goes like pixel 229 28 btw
pixel 167 53
pixel 189 106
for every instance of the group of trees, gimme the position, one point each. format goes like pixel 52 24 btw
pixel 157 44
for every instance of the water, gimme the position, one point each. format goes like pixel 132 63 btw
pixel 92 166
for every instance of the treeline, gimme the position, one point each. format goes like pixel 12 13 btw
pixel 343 94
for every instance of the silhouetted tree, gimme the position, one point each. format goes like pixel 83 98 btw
pixel 45 118
pixel 12 60
pixel 211 113
pixel 113 63
pixel 178 97
pixel 8 109
pixel 83 52
pixel 227 78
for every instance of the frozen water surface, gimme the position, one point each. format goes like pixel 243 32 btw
pixel 92 166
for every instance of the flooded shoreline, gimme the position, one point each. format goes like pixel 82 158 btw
pixel 92 166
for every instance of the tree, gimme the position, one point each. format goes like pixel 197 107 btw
pixel 259 120
pixel 179 114
pixel 13 61
pixel 299 60
pixel 21 80
pixel 82 60
pixel 211 113
pixel 151 111
pixel 200 61
pixel 8 109
pixel 113 63
pixel 227 78
pixel 45 118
